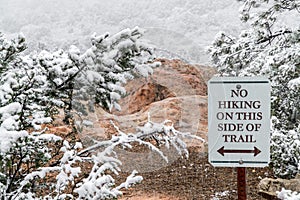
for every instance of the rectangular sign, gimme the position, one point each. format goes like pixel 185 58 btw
pixel 239 121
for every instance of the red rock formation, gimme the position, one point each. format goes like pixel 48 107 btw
pixel 172 79
pixel 176 91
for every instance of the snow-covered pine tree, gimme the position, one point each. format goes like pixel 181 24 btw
pixel 97 75
pixel 10 50
pixel 21 108
pixel 269 48
pixel 35 86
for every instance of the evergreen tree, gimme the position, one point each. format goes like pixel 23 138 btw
pixel 269 48
pixel 21 108
pixel 35 87
pixel 99 73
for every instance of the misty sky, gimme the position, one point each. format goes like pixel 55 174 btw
pixel 182 27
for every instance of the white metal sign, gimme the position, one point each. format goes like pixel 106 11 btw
pixel 239 121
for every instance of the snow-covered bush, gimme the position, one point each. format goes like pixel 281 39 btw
pixel 285 148
pixel 34 87
pixel 269 48
pixel 88 173
pixel 24 156
pixel 21 108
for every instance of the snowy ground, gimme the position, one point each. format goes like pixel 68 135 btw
pixel 181 28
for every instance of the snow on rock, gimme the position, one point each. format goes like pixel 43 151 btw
pixel 288 195
pixel 271 188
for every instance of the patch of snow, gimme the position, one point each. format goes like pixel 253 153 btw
pixel 8 137
pixel 218 195
pixel 288 195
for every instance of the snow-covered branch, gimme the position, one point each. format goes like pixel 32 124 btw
pixel 35 88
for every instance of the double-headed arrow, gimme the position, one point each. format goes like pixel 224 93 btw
pixel 222 150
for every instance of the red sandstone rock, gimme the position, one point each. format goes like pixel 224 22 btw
pixel 172 79
pixel 176 91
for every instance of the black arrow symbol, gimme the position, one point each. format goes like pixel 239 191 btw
pixel 222 150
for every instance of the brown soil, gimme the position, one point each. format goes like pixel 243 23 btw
pixel 194 179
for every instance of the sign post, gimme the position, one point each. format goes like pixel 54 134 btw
pixel 239 123
pixel 241 183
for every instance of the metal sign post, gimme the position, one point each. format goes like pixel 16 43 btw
pixel 241 183
pixel 239 124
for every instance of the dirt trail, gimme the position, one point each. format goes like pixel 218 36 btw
pixel 194 179
pixel 139 195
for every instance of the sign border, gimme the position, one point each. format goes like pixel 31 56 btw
pixel 237 162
